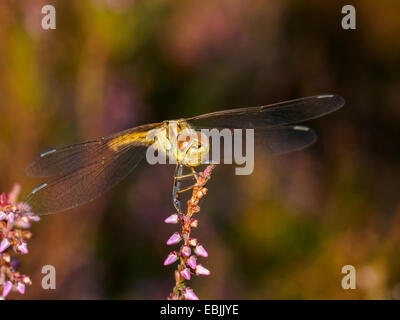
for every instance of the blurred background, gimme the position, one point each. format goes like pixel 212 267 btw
pixel 284 232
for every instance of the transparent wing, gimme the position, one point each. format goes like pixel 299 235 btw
pixel 274 115
pixel 85 183
pixel 269 141
pixel 60 161
pixel 82 172
pixel 284 139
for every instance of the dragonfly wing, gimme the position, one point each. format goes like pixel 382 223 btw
pixel 271 141
pixel 274 115
pixel 85 183
pixel 60 161
pixel 284 139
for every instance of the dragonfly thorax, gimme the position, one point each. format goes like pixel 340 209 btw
pixel 181 142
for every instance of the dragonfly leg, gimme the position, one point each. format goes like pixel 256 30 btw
pixel 176 189
pixel 178 177
pixel 193 174
pixel 186 189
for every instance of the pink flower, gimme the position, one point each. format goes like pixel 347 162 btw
pixel 3 216
pixel 190 295
pixel 12 234
pixel 201 271
pixel 193 242
pixel 23 248
pixel 200 251
pixel 192 262
pixel 175 238
pixel 186 251
pixel 172 219
pixel 10 218
pixel 186 273
pixel 4 245
pixel 7 288
pixel 20 287
pixel 171 258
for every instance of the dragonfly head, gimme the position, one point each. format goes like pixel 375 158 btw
pixel 192 147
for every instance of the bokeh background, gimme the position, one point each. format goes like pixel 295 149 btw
pixel 286 231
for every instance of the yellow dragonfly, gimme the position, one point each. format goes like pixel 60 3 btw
pixel 79 173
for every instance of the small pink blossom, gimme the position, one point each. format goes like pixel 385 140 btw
pixel 5 243
pixel 172 219
pixel 20 287
pixel 186 251
pixel 175 238
pixel 200 251
pixel 190 295
pixel 193 242
pixel 171 258
pixel 201 271
pixel 7 287
pixel 23 248
pixel 186 273
pixel 192 262
pixel 10 218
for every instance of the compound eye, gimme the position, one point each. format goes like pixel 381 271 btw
pixel 184 141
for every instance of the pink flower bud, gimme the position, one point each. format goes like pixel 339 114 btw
pixel 193 242
pixel 192 262
pixel 27 280
pixel 7 287
pixel 24 223
pixel 175 238
pixel 4 245
pixel 10 218
pixel 172 219
pixel 201 271
pixel 186 273
pixel 20 287
pixel 200 251
pixel 34 218
pixel 190 295
pixel 186 251
pixel 23 248
pixel 207 171
pixel 194 223
pixel 172 257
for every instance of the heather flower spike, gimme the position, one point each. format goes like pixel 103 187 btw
pixel 15 218
pixel 187 261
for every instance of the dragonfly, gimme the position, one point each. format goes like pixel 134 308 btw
pixel 79 173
